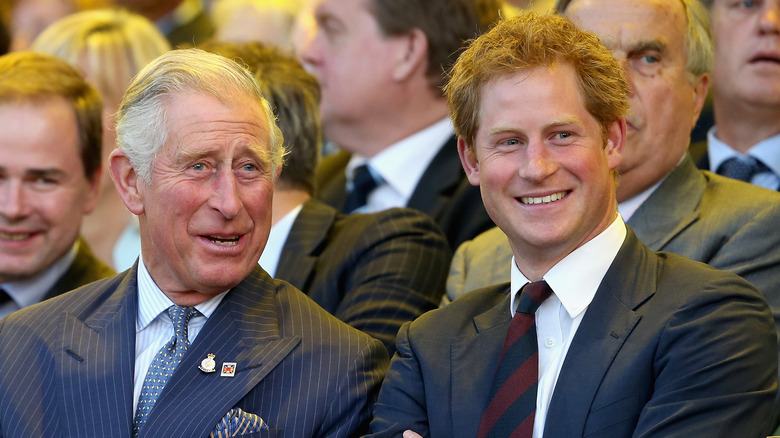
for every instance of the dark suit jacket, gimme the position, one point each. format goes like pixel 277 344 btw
pixel 85 269
pixel 443 193
pixel 67 366
pixel 372 271
pixel 667 348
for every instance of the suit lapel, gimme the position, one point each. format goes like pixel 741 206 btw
pixel 607 323
pixel 472 373
pixel 672 207
pixel 301 249
pixel 439 182
pixel 244 329
pixel 96 362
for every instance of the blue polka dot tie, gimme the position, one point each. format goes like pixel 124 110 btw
pixel 164 364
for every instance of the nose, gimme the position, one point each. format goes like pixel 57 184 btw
pixel 226 197
pixel 537 163
pixel 12 199
pixel 769 21
pixel 310 50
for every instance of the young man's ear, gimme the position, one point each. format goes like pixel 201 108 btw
pixel 126 181
pixel 468 158
pixel 615 142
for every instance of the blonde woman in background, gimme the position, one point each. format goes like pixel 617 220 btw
pixel 109 46
pixel 273 22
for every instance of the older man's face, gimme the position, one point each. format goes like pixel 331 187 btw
pixel 207 210
pixel 648 37
pixel 746 70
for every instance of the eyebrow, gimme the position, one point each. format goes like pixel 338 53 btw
pixel 49 171
pixel 649 46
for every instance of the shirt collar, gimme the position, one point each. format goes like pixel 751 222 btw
pixel 269 259
pixel 576 278
pixel 765 151
pixel 402 164
pixel 33 290
pixel 152 301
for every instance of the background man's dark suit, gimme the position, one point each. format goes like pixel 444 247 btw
pixel 442 193
pixel 372 271
pixel 640 362
pixel 85 269
pixel 74 355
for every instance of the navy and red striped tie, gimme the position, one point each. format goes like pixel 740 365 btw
pixel 512 406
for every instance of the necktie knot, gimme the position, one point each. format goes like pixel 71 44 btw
pixel 532 295
pixel 742 169
pixel 363 183
pixel 180 317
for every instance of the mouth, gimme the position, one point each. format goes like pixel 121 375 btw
pixel 762 57
pixel 224 240
pixel 547 199
pixel 15 237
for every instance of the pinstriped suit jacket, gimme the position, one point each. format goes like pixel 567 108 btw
pixel 372 271
pixel 67 366
pixel 442 193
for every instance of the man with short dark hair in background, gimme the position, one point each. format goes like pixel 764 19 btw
pixel 381 64
pixel 50 151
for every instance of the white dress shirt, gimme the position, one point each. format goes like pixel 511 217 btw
pixel 153 327
pixel 32 290
pixel 401 166
pixel 574 281
pixel 766 151
pixel 269 259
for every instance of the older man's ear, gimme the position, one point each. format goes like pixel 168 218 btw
pixel 126 181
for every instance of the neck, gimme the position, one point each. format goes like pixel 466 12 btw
pixel 102 228
pixel 742 126
pixel 370 137
pixel 285 200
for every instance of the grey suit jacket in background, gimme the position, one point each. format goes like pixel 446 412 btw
pixel 372 271
pixel 667 348
pixel 67 366
pixel 443 193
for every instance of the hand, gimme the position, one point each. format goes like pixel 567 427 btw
pixel 411 434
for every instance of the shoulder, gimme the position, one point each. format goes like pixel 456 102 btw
pixel 736 196
pixel 300 316
pixel 489 241
pixel 332 166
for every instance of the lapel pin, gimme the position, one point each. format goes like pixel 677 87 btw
pixel 228 369
pixel 208 365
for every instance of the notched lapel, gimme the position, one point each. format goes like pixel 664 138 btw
pixel 472 374
pixel 672 207
pixel 301 249
pixel 607 324
pixel 243 329
pixel 96 361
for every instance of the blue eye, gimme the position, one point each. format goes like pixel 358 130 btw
pixel 199 166
pixel 249 167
